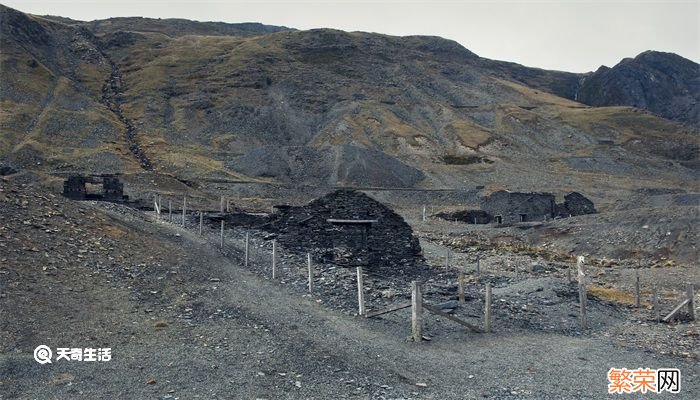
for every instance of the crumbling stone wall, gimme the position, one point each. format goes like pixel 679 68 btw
pixel 112 189
pixel 391 247
pixel 74 187
pixel 575 204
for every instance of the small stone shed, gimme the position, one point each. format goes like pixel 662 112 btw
pixel 390 244
pixel 510 207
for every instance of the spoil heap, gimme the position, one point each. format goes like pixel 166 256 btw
pixel 390 247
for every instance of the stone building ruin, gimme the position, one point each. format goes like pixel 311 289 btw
pixel 510 207
pixel 75 187
pixel 388 245
pixel 504 207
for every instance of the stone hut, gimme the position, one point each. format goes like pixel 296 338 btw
pixel 389 244
pixel 511 207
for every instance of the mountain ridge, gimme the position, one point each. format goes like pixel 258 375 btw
pixel 209 106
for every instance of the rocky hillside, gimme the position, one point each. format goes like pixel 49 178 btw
pixel 257 103
pixel 663 83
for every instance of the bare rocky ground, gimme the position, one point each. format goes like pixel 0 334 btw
pixel 186 320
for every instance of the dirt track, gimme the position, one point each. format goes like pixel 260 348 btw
pixel 185 322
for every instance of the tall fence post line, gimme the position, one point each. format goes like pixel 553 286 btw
pixel 311 276
pixel 201 221
pixel 222 233
pixel 637 290
pixel 360 292
pixel 170 210
pixel 423 213
pixel 655 303
pixel 487 309
pixel 691 301
pixel 274 259
pixel 460 286
pixel 581 291
pixel 247 249
pixel 221 204
pixel 228 205
pixel 416 312
pixel 478 265
pixel 184 209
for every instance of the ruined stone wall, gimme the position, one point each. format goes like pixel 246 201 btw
pixel 467 216
pixel 575 204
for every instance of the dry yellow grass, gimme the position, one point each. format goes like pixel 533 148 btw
pixel 612 294
pixel 469 133
pixel 537 96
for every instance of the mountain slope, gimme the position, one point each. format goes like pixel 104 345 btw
pixel 663 83
pixel 323 107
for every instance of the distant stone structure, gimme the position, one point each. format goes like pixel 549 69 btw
pixel 510 207
pixel 112 189
pixel 505 207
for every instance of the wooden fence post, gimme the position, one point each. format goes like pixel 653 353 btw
pixel 460 286
pixel 156 207
pixel 184 209
pixel 447 260
pixel 416 312
pixel 228 205
pixel 487 309
pixel 637 290
pixel 423 213
pixel 221 204
pixel 170 210
pixel 201 221
pixel 360 292
pixel 581 291
pixel 311 276
pixel 478 265
pixel 247 250
pixel 655 302
pixel 274 258
pixel 222 233
pixel 691 301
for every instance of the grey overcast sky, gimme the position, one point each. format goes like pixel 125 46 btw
pixel 569 35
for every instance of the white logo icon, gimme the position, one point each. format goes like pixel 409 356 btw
pixel 42 354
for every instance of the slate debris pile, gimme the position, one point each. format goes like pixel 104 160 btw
pixel 467 216
pixel 391 248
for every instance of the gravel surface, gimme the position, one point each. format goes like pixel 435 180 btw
pixel 186 321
